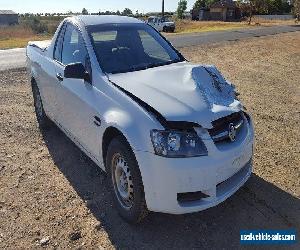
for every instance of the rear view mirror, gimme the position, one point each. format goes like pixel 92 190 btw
pixel 76 71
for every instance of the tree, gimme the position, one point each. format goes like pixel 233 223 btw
pixel 296 9
pixel 286 6
pixel 251 7
pixel 182 6
pixel 34 22
pixel 84 11
pixel 203 4
pixel 246 7
pixel 127 12
pixel 199 4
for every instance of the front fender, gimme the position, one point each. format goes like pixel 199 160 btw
pixel 136 129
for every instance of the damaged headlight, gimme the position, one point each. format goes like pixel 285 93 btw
pixel 176 144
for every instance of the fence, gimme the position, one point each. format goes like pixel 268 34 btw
pixel 275 17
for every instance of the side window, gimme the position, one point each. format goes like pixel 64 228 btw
pixel 58 44
pixel 74 50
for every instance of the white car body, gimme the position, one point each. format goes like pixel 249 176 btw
pixel 176 93
pixel 160 24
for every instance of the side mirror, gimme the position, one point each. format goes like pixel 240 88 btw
pixel 76 71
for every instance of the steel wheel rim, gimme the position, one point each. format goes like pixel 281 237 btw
pixel 122 181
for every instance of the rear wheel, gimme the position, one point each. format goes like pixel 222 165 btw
pixel 43 121
pixel 126 181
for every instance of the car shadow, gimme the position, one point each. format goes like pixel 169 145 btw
pixel 257 205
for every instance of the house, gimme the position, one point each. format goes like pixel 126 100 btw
pixel 201 15
pixel 224 10
pixel 8 17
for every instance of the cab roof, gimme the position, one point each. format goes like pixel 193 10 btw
pixel 105 19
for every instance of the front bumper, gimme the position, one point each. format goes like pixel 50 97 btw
pixel 170 28
pixel 218 176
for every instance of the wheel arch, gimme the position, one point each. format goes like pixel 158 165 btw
pixel 109 134
pixel 32 80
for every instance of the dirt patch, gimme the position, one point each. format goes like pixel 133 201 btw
pixel 51 195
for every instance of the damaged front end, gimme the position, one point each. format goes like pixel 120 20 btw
pixel 194 103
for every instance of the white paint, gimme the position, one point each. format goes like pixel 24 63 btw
pixel 178 93
pixel 160 24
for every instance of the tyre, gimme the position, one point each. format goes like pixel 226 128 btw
pixel 42 119
pixel 164 29
pixel 125 180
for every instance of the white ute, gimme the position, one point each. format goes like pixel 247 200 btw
pixel 171 135
pixel 161 23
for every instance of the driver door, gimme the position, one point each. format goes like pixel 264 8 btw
pixel 76 97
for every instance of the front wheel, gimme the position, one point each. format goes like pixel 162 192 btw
pixel 126 181
pixel 43 121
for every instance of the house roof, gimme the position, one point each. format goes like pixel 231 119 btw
pixel 7 12
pixel 224 4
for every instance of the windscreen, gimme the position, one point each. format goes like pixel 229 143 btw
pixel 124 48
pixel 165 19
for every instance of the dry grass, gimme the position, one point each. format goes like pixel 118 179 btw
pixel 18 36
pixel 16 31
pixel 187 26
pixel 11 43
pixel 266 22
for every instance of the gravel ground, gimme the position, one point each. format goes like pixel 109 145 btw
pixel 52 196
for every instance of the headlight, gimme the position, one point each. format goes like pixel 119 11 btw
pixel 177 144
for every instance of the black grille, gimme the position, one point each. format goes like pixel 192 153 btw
pixel 191 196
pixel 222 125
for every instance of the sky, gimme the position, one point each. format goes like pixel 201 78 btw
pixel 52 6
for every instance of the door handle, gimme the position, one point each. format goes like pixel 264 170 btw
pixel 59 77
pixel 97 121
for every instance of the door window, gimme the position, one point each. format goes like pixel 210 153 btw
pixel 58 44
pixel 74 50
